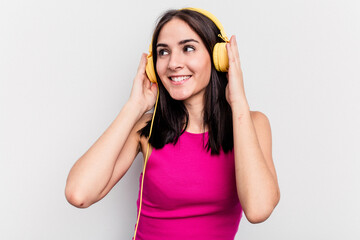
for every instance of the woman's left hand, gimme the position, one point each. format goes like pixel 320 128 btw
pixel 234 92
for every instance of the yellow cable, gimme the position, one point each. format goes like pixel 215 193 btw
pixel 146 159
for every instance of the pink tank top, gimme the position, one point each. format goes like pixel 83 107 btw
pixel 189 194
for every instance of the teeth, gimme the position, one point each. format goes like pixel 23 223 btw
pixel 178 79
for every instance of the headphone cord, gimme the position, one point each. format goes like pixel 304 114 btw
pixel 146 159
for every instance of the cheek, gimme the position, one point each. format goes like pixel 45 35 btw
pixel 158 67
pixel 203 68
pixel 161 65
pixel 161 69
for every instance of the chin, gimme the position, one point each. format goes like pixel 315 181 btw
pixel 179 97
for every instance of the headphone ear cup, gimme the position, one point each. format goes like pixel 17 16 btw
pixel 150 71
pixel 220 57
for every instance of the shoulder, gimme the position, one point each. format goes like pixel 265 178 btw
pixel 144 119
pixel 141 123
pixel 261 123
pixel 134 135
pixel 259 117
pixel 143 141
pixel 264 136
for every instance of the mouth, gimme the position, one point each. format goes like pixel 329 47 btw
pixel 177 80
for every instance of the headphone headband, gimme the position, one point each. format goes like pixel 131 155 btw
pixel 212 18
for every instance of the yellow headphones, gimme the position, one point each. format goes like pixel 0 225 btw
pixel 221 63
pixel 220 57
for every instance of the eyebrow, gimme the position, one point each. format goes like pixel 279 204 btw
pixel 180 43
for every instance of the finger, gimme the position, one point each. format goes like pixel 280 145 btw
pixel 154 88
pixel 147 83
pixel 235 50
pixel 142 64
pixel 230 53
pixel 233 63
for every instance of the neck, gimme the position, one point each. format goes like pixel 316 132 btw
pixel 196 116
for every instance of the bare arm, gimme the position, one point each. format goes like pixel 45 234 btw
pixel 107 160
pixel 92 172
pixel 256 179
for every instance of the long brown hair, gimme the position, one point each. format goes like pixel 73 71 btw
pixel 172 115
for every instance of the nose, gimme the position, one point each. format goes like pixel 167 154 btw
pixel 175 61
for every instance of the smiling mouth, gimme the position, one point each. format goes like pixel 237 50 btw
pixel 179 79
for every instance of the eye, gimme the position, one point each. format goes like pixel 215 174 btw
pixel 189 48
pixel 163 52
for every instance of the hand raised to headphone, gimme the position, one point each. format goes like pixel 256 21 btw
pixel 235 92
pixel 143 92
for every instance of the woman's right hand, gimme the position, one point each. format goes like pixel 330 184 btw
pixel 143 92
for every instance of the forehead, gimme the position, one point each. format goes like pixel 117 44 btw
pixel 176 30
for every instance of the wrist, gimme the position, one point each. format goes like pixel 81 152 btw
pixel 135 107
pixel 240 106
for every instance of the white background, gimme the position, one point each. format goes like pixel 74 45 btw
pixel 66 70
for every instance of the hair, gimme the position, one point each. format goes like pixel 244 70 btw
pixel 171 118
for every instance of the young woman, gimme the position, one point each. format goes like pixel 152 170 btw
pixel 210 156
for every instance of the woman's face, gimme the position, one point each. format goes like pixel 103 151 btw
pixel 183 62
